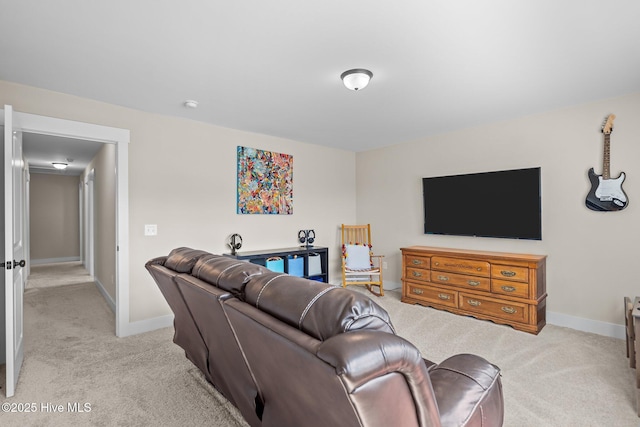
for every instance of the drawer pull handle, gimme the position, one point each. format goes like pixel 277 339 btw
pixel 418 291
pixel 444 296
pixel 508 288
pixel 507 273
pixel 509 310
pixel 443 278
pixel 417 262
pixel 473 283
pixel 416 274
pixel 473 302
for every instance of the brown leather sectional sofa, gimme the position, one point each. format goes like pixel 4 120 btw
pixel 287 351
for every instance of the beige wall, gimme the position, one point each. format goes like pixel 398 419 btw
pixel 104 189
pixel 54 220
pixel 591 255
pixel 182 178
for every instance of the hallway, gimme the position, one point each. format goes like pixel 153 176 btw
pixel 58 274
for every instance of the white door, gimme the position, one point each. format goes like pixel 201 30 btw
pixel 14 250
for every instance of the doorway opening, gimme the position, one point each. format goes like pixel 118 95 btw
pixel 72 222
pixel 16 189
pixel 117 141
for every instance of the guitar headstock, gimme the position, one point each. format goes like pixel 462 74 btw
pixel 607 126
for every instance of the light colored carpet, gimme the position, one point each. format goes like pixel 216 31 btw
pixel 72 356
pixel 57 274
pixel 561 377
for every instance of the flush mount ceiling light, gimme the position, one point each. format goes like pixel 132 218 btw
pixel 190 103
pixel 59 165
pixel 356 79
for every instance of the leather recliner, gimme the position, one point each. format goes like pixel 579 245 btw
pixel 288 351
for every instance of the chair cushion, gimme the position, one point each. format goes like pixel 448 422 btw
pixel 357 257
pixel 318 309
pixel 183 259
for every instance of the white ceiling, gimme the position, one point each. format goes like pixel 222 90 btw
pixel 273 67
pixel 41 150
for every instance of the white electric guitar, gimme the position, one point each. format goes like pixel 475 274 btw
pixel 606 193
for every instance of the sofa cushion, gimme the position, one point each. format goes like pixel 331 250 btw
pixel 183 259
pixel 318 309
pixel 226 273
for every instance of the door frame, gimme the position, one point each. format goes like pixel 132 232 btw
pixel 89 222
pixel 33 123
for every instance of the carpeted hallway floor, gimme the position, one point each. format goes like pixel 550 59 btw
pixel 73 358
pixel 57 274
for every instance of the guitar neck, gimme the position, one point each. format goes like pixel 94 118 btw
pixel 606 158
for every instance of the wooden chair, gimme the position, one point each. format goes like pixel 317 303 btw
pixel 633 345
pixel 359 265
pixel 631 335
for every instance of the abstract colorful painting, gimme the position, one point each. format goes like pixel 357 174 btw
pixel 265 182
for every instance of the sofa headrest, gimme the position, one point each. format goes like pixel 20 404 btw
pixel 226 273
pixel 183 259
pixel 318 309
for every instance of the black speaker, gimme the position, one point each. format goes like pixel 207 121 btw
pixel 235 243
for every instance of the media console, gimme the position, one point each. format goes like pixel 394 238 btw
pixel 287 254
pixel 506 288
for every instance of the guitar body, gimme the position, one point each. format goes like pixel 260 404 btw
pixel 606 194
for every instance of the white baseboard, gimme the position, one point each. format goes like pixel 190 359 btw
pixel 586 325
pixel 105 294
pixel 54 260
pixel 147 325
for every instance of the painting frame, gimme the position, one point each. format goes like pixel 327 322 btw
pixel 264 182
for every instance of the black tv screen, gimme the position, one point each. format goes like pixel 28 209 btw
pixel 503 204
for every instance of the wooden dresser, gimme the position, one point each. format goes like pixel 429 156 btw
pixel 505 288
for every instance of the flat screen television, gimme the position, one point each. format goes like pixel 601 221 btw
pixel 504 204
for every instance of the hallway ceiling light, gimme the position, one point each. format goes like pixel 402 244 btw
pixel 356 79
pixel 190 103
pixel 59 165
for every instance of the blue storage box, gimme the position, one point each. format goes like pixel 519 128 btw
pixel 296 265
pixel 275 264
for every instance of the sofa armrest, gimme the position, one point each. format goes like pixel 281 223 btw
pixel 156 261
pixel 468 391
pixel 362 356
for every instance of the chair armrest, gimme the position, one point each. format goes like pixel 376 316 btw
pixel 379 259
pixel 156 261
pixel 361 356
pixel 468 391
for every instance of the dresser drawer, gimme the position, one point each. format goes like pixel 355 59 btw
pixel 507 310
pixel 463 266
pixel 417 261
pixel 433 295
pixel 459 280
pixel 418 274
pixel 509 272
pixel 514 289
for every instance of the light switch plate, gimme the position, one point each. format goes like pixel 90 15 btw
pixel 150 229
